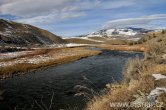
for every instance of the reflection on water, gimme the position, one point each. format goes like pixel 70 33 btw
pixel 22 92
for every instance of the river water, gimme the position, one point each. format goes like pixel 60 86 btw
pixel 56 87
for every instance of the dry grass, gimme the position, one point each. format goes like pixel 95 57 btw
pixel 124 93
pixel 139 72
pixel 116 42
pixel 26 35
pixel 133 69
pixel 99 38
pixel 154 52
pixel 55 56
pixel 25 54
pixel 151 36
pixel 140 48
pixel 81 41
pixel 120 42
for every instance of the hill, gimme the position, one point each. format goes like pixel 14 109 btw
pixel 111 36
pixel 12 33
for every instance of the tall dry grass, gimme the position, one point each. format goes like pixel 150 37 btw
pixel 139 47
pixel 123 93
pixel 133 69
pixel 154 52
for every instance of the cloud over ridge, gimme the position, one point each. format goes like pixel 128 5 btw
pixel 134 21
pixel 67 16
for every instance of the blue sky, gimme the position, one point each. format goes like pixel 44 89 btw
pixel 75 17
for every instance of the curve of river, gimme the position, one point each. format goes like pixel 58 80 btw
pixel 58 83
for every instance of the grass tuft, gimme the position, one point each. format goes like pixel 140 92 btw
pixel 133 69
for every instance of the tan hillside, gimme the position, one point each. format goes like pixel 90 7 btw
pixel 23 34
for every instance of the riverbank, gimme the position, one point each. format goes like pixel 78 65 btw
pixel 138 48
pixel 144 83
pixel 23 61
pixel 20 62
pixel 150 88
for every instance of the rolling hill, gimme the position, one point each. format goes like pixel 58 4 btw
pixel 12 33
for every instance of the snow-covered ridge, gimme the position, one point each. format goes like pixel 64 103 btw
pixel 128 33
pixel 104 35
pixel 119 32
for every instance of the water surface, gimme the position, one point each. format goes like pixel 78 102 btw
pixel 25 91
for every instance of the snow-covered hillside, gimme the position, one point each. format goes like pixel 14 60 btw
pixel 125 32
pixel 128 33
pixel 108 35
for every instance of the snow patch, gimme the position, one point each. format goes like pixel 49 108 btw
pixel 67 45
pixel 38 59
pixel 4 56
pixel 159 76
pixel 114 32
pixel 74 45
pixel 35 60
pixel 88 37
pixel 41 40
pixel 158 91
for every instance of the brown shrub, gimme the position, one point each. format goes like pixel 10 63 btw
pixel 162 99
pixel 155 50
pixel 133 69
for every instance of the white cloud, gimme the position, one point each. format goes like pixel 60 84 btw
pixel 146 20
pixel 112 4
pixel 50 18
pixel 5 1
pixel 29 8
pixel 48 11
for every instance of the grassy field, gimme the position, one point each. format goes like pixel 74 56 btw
pixel 100 40
pixel 139 47
pixel 39 58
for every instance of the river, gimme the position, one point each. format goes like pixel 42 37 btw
pixel 57 86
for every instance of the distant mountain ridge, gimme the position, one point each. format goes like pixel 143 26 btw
pixel 129 31
pixel 23 34
pixel 108 36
